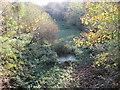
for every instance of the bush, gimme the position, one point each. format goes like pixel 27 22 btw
pixel 41 70
pixel 63 50
pixel 47 31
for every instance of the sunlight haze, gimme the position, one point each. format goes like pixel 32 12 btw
pixel 45 2
pixel 42 2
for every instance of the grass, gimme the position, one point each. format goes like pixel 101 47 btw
pixel 66 30
pixel 66 33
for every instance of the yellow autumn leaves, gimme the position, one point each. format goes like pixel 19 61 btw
pixel 98 17
pixel 92 38
pixel 84 21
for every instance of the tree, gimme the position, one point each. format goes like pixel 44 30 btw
pixel 57 10
pixel 74 11
pixel 19 27
pixel 102 24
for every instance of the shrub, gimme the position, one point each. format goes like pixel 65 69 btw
pixel 47 31
pixel 63 50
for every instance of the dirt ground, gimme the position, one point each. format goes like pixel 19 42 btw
pixel 3 80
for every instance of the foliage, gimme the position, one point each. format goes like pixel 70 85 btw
pixel 29 54
pixel 73 14
pixel 47 31
pixel 63 50
pixel 41 69
pixel 66 11
pixel 57 10
pixel 102 24
pixel 18 28
pixel 28 60
pixel 54 77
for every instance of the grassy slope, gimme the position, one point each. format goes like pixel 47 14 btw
pixel 66 32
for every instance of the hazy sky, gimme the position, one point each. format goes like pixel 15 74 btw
pixel 44 2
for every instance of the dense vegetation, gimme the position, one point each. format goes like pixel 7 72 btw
pixel 30 45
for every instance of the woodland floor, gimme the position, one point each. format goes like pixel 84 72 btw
pixel 3 80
